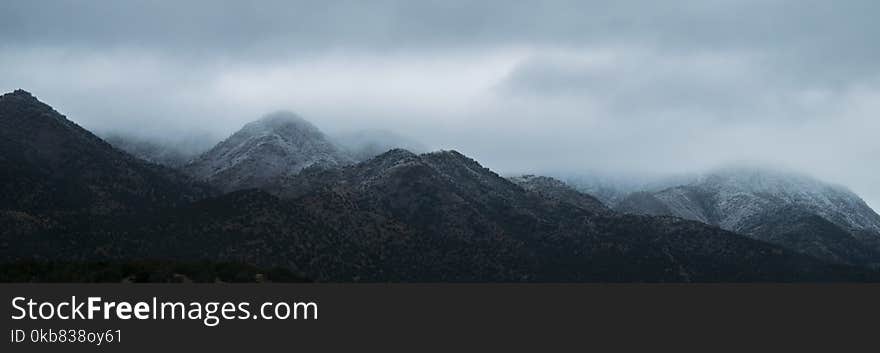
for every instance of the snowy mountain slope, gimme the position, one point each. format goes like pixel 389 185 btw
pixel 743 199
pixel 729 196
pixel 279 144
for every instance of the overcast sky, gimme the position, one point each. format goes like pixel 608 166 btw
pixel 644 87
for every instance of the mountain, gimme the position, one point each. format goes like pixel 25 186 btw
pixel 557 190
pixel 793 210
pixel 277 145
pixel 50 164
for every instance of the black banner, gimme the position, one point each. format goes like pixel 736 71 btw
pixel 453 317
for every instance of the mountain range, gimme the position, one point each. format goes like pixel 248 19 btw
pixel 279 193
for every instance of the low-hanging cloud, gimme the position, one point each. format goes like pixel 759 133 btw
pixel 630 87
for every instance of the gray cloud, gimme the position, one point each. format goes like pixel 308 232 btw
pixel 525 86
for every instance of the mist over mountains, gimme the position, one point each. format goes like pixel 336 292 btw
pixel 279 193
pixel 662 88
pixel 170 153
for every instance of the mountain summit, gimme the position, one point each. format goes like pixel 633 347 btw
pixel 279 144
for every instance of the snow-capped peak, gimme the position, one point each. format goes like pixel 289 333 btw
pixel 731 195
pixel 279 144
